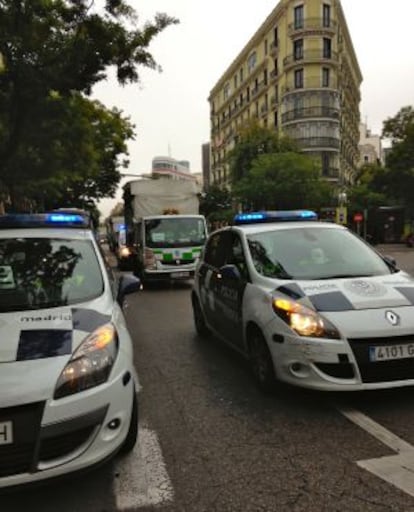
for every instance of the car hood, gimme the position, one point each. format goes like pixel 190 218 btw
pixel 36 345
pixel 348 294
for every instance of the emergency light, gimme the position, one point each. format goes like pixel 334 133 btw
pixel 43 220
pixel 274 216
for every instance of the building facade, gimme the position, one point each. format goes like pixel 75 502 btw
pixel 298 75
pixel 171 168
pixel 370 147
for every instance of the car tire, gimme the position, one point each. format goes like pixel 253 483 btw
pixel 132 434
pixel 199 321
pixel 261 361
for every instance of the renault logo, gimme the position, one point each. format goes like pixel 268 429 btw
pixel 392 317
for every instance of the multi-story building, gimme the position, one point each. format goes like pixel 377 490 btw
pixel 168 167
pixel 299 75
pixel 370 147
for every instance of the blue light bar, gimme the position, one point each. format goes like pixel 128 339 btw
pixel 274 216
pixel 43 220
pixel 64 218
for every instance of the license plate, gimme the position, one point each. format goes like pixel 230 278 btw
pixel 6 432
pixel 178 275
pixel 391 352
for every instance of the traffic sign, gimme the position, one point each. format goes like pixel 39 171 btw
pixel 358 217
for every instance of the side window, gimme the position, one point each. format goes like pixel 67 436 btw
pixel 215 251
pixel 237 256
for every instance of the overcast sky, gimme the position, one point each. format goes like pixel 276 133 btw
pixel 170 109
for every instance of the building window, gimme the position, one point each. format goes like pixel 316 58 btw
pixel 276 67
pixel 298 49
pixel 327 48
pixel 298 16
pixel 226 91
pixel 241 75
pixel 275 119
pixel 265 77
pixel 251 62
pixel 298 78
pixel 325 77
pixel 326 10
pixel 275 37
pixel 235 82
pixel 265 47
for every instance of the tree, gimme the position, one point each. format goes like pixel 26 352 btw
pixel 400 160
pixel 283 181
pixel 58 50
pixel 252 141
pixel 215 200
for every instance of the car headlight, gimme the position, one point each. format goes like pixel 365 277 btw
pixel 124 252
pixel 90 364
pixel 304 320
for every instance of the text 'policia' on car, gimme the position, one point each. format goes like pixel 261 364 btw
pixel 67 380
pixel 309 303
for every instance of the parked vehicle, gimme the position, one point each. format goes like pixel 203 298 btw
pixel 67 381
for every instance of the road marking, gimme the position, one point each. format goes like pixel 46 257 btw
pixel 141 478
pixel 395 469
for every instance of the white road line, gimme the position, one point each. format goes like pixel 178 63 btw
pixel 376 430
pixel 141 478
pixel 395 469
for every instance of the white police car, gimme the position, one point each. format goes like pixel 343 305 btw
pixel 67 380
pixel 308 302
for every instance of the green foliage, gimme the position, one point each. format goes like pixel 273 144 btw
pixel 279 181
pixel 395 128
pixel 215 200
pixel 53 53
pixel 254 140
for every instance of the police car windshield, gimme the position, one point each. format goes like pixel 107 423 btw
pixel 313 253
pixel 37 273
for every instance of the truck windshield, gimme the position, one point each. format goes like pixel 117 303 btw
pixel 38 273
pixel 175 232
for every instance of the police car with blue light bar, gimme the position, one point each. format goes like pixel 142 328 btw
pixel 308 303
pixel 67 380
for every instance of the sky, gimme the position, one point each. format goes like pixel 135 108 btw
pixel 170 109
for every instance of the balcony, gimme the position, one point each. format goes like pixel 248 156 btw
pixel 274 46
pixel 309 83
pixel 273 102
pixel 264 109
pixel 310 112
pixel 318 142
pixel 309 57
pixel 319 25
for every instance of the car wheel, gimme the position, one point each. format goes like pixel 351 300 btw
pixel 261 361
pixel 132 435
pixel 199 322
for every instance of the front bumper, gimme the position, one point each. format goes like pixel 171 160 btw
pixel 55 437
pixel 337 365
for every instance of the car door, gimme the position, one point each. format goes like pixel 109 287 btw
pixel 208 276
pixel 230 289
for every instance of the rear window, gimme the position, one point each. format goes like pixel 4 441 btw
pixel 37 273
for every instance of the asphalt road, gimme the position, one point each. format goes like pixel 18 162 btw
pixel 211 442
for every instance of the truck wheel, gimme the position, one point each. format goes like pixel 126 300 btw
pixel 261 361
pixel 199 322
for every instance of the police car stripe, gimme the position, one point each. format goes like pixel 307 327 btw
pixel 292 290
pixel 407 292
pixel 88 319
pixel 41 343
pixel 331 301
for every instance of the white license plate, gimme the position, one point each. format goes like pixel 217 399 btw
pixel 391 352
pixel 178 275
pixel 6 432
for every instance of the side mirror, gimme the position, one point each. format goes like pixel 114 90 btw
pixel 230 272
pixel 127 284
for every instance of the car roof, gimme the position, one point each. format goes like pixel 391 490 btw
pixel 249 229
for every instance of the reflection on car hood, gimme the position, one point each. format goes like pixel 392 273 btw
pixel 353 293
pixel 47 333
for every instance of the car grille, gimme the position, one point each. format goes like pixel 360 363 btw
pixel 383 371
pixel 177 262
pixel 59 446
pixel 337 370
pixel 18 457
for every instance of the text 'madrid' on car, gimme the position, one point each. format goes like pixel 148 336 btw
pixel 67 380
pixel 309 303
